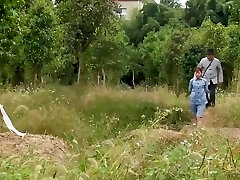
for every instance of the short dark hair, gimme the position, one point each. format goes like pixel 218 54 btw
pixel 198 69
pixel 210 52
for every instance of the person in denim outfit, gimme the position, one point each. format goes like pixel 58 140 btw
pixel 198 87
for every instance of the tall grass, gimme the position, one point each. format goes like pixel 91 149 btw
pixel 227 111
pixel 115 135
pixel 89 113
pixel 140 155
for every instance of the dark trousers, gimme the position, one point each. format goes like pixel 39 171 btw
pixel 212 91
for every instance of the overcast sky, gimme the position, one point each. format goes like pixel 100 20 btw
pixel 181 1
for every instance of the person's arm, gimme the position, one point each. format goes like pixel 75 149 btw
pixel 206 87
pixel 220 72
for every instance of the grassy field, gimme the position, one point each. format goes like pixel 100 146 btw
pixel 91 113
pixel 111 133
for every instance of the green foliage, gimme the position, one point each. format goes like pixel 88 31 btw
pixel 83 21
pixel 163 55
pixel 140 154
pixel 234 7
pixel 37 38
pixel 108 53
pixel 51 43
pixel 174 57
pixel 116 131
pixel 197 10
pixel 153 51
pixel 171 3
pixel 9 28
pixel 82 114
pixel 151 18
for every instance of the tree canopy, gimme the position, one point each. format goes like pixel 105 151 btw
pixel 71 41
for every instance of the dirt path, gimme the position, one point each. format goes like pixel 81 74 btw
pixel 209 123
pixel 209 119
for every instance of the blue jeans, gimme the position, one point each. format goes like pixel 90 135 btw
pixel 198 109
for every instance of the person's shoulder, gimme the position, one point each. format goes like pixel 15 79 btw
pixel 191 80
pixel 216 59
pixel 204 59
pixel 204 80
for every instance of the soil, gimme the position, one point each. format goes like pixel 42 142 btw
pixel 43 145
pixel 208 123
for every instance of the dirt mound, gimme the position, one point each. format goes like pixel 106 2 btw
pixel 43 145
pixel 229 133
pixel 168 134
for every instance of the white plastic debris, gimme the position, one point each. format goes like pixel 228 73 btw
pixel 8 122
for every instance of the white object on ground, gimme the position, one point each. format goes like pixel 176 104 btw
pixel 8 122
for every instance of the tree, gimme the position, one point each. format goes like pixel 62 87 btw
pixel 174 58
pixel 151 18
pixel 230 55
pixel 134 63
pixel 153 51
pixel 234 7
pixel 37 39
pixel 225 41
pixel 83 20
pixel 107 54
pixel 194 50
pixel 9 29
pixel 197 10
pixel 171 3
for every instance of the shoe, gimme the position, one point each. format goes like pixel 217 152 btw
pixel 213 105
pixel 207 105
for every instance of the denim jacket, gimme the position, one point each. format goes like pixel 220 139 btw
pixel 198 89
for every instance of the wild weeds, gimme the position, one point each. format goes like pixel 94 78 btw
pixel 114 134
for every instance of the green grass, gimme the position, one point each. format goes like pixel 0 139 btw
pixel 227 111
pixel 112 132
pixel 90 113
pixel 140 156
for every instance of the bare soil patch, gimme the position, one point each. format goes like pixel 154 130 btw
pixel 43 145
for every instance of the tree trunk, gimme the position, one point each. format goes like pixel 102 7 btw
pixel 80 60
pixel 98 79
pixel 104 77
pixel 238 82
pixel 133 79
pixel 79 71
pixel 229 83
pixel 177 83
pixel 35 80
pixel 177 88
pixel 42 82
